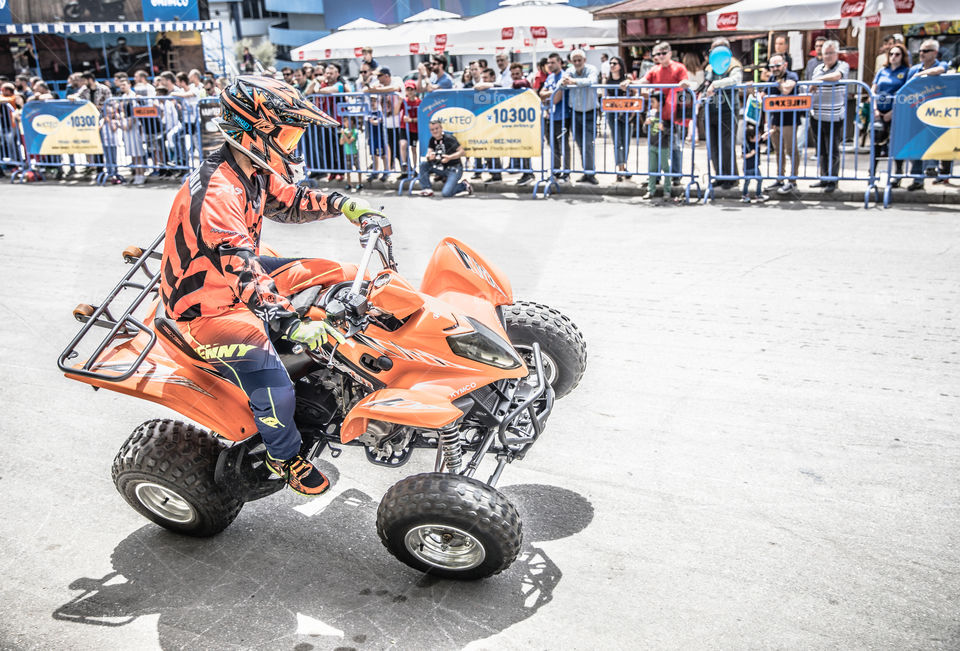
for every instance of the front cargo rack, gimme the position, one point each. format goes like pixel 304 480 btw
pixel 125 326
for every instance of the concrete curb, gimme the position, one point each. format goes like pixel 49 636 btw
pixel 946 196
pixel 949 196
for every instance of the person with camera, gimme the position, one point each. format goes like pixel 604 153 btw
pixel 444 158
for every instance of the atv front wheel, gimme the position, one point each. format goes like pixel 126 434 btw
pixel 165 472
pixel 449 526
pixel 562 346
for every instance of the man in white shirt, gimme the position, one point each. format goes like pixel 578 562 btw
pixel 504 80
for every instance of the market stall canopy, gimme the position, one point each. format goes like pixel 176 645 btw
pixel 763 15
pixel 910 12
pixel 110 28
pixel 345 43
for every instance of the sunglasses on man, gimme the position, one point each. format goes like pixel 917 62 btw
pixel 927 50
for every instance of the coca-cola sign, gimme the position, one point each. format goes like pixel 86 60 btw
pixel 558 43
pixel 414 48
pixel 506 34
pixel 358 52
pixel 904 6
pixel 538 32
pixel 728 20
pixel 300 55
pixel 852 8
pixel 327 53
pixel 440 40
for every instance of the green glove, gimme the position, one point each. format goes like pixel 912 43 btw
pixel 313 334
pixel 354 208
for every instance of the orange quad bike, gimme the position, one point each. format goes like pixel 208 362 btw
pixel 456 366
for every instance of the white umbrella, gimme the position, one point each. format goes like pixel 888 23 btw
pixel 526 24
pixel 418 33
pixel 344 43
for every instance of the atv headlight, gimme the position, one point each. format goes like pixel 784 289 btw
pixel 485 346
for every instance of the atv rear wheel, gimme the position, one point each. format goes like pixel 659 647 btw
pixel 562 346
pixel 449 526
pixel 165 472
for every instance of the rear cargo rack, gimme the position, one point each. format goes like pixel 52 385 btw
pixel 125 326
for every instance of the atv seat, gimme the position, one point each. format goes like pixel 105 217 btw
pixel 165 326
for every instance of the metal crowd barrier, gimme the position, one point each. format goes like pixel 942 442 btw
pixel 385 143
pixel 614 128
pixel 156 135
pixel 12 159
pixel 818 115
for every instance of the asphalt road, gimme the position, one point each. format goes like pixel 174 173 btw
pixel 762 454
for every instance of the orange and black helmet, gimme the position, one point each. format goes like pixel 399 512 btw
pixel 265 119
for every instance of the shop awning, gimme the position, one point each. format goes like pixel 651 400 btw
pixel 110 28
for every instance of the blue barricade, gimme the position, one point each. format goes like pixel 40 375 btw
pixel 823 116
pixel 607 124
pixel 11 140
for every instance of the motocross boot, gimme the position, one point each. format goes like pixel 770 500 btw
pixel 300 475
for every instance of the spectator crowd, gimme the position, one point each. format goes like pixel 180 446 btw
pixel 377 114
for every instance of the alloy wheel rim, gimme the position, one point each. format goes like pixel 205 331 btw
pixel 445 547
pixel 549 366
pixel 166 503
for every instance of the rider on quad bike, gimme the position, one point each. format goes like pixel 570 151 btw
pixel 216 285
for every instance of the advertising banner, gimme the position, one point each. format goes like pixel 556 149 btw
pixel 61 127
pixel 170 10
pixel 782 103
pixel 926 119
pixel 493 123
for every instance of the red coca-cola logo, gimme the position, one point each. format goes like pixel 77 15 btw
pixel 300 55
pixel 439 49
pixel 358 52
pixel 527 42
pixel 440 39
pixel 728 21
pixel 327 54
pixel 558 43
pixel 538 32
pixel 831 24
pixel 852 8
pixel 414 48
pixel 873 21
pixel 506 34
pixel 904 6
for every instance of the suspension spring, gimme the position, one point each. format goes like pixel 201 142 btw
pixel 450 444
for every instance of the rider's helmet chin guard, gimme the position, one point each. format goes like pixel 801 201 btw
pixel 265 118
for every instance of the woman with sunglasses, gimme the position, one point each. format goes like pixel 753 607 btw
pixel 886 83
pixel 618 123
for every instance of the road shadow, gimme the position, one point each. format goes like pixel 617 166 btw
pixel 279 580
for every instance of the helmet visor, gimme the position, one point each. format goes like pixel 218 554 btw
pixel 288 138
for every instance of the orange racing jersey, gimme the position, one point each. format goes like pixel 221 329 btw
pixel 212 244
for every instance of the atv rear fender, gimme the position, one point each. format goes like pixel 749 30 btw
pixel 401 406
pixel 455 267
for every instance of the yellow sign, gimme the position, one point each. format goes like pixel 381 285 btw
pixel 61 127
pixel 490 124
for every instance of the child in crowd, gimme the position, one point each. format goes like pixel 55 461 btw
pixel 751 167
pixel 348 139
pixel 410 132
pixel 658 144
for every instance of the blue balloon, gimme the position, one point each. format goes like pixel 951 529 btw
pixel 720 59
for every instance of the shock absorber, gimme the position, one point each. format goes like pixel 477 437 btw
pixel 450 445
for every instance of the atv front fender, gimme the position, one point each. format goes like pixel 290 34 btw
pixel 455 267
pixel 400 406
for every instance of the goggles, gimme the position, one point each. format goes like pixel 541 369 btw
pixel 288 138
